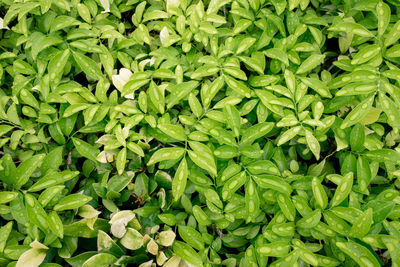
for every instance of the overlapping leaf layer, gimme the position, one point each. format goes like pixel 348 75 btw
pixel 199 133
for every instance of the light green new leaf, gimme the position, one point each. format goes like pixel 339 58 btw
pixel 32 257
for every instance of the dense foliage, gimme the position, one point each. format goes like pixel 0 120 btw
pixel 199 133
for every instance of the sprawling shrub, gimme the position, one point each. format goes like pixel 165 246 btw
pixel 199 133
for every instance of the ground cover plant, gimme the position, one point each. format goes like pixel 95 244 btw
pixel 199 133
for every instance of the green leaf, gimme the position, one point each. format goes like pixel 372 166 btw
pixel 173 130
pixel 7 196
pixel 53 178
pixel 288 135
pixel 85 149
pixel 319 193
pixel 343 190
pixel 88 65
pixel 383 12
pixel 135 148
pixel 62 22
pixel 365 54
pixel 351 27
pixel 191 236
pixel 310 63
pixel 209 92
pixel 256 131
pixel 100 259
pixel 57 64
pixel 358 113
pixel 75 108
pixel 232 185
pixel 53 160
pixel 169 153
pixel 357 137
pixel 107 61
pixel 363 173
pixel 274 249
pixel 362 225
pixel 202 157
pixel 277 53
pixel 41 42
pixel 106 244
pixel 313 144
pixel 232 118
pixel 393 34
pixel 187 253
pixel 195 105
pixel 4 234
pixel 245 44
pixel 178 92
pixel 55 224
pixel 238 86
pixel 252 199
pixel 131 86
pixel 157 97
pixel 204 71
pixel 84 12
pixel 383 155
pixel 24 170
pixel 273 182
pixel 78 260
pixel 390 109
pixel 358 253
pixel 121 160
pixel 180 179
pixel 72 201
